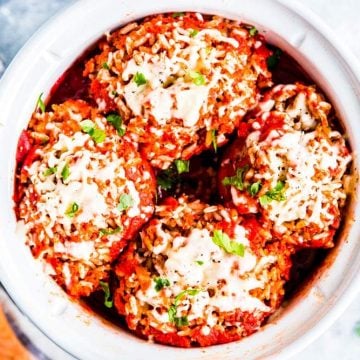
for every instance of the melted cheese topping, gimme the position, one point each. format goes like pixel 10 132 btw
pixel 76 250
pixel 230 277
pixel 311 165
pixel 170 91
pixel 174 83
pixel 71 207
pixel 89 171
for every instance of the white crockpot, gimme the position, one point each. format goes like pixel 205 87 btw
pixel 35 70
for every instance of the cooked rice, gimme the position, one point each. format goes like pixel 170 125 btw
pixel 290 143
pixel 196 272
pixel 181 83
pixel 234 293
pixel 71 192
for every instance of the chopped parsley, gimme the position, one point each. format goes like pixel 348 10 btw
pixel 214 140
pixel 40 103
pixel 254 188
pixel 140 79
pixel 273 60
pixel 110 231
pixel 125 202
pixel 166 183
pixel 172 313
pixel 117 122
pixel 65 172
pixel 166 179
pixel 182 166
pixel 277 193
pixel 191 292
pixel 222 240
pixel 238 179
pixel 89 127
pixel 107 295
pixel 197 78
pixel 193 32
pixel 161 283
pixel 50 171
pixel 199 262
pixel 177 14
pixel 98 135
pixel 105 66
pixel 72 210
pixel 253 31
pixel 181 320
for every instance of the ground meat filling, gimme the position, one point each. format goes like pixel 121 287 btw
pixel 196 278
pixel 289 165
pixel 85 192
pixel 181 84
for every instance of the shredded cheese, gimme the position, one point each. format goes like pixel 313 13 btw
pixel 237 274
pixel 310 164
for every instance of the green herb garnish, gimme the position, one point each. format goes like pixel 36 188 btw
pixel 182 320
pixel 105 66
pixel 110 231
pixel 89 127
pixel 199 262
pixel 161 283
pixel 277 193
pixel 50 171
pixel 197 78
pixel 65 172
pixel 98 135
pixel 72 210
pixel 140 79
pixel 165 182
pixel 177 14
pixel 253 31
pixel 191 292
pixel 222 240
pixel 107 295
pixel 193 32
pixel 273 60
pixel 254 188
pixel 125 202
pixel 214 140
pixel 117 122
pixel 166 179
pixel 172 313
pixel 236 180
pixel 182 166
pixel 40 104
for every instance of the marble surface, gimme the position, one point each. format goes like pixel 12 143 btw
pixel 19 19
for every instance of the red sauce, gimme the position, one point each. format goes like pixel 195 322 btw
pixel 273 122
pixel 72 85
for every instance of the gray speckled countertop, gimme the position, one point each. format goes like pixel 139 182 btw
pixel 19 19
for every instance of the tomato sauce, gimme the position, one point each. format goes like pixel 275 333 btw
pixel 73 85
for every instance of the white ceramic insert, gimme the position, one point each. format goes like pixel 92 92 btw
pixel 35 69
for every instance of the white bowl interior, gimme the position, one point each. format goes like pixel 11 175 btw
pixel 38 66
